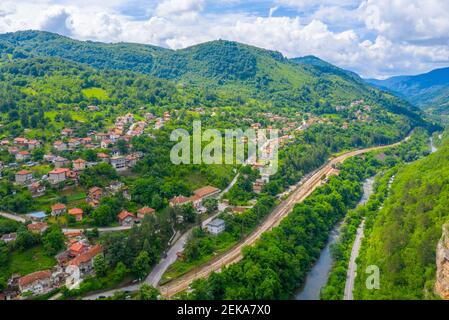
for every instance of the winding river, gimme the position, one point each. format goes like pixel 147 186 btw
pixel 318 275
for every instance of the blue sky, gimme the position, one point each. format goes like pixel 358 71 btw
pixel 376 38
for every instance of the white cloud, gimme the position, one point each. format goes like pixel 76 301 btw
pixel 375 38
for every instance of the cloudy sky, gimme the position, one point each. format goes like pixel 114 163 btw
pixel 376 38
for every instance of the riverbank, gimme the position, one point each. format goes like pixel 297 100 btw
pixel 318 275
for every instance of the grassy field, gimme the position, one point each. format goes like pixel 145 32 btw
pixel 222 243
pixel 28 261
pixel 98 93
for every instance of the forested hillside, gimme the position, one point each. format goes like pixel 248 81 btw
pixel 401 238
pixel 234 70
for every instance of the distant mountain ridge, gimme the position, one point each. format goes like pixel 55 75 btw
pixel 428 91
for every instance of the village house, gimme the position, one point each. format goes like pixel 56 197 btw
pixel 33 144
pixel 67 132
pixel 131 160
pixel 4 143
pixel 23 156
pixel 13 150
pixel 59 145
pixel 49 157
pixel 103 157
pixel 79 164
pixel 58 175
pixel 74 143
pixel 20 141
pixel 37 227
pixel 216 226
pixel 24 177
pixel 179 201
pixel 95 194
pixel 77 213
pixel 141 213
pixel 101 136
pixel 36 283
pixel 61 162
pixel 86 140
pixel 119 163
pixel 58 209
pixel 77 248
pixel 258 185
pixel 85 260
pixel 9 237
pixel 37 189
pixel 93 108
pixel 126 218
pixel 115 187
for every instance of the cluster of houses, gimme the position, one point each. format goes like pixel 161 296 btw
pixel 73 265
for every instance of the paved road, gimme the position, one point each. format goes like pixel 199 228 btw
pixel 280 212
pixel 352 267
pixel 14 217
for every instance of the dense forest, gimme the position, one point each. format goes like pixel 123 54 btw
pixel 401 238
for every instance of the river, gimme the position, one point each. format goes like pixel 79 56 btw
pixel 318 275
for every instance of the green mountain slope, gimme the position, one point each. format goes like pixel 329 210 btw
pixel 401 238
pixel 229 68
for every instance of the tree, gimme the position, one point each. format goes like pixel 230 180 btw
pixel 147 292
pixel 211 205
pixel 53 240
pixel 189 213
pixel 141 265
pixel 120 272
pixel 100 266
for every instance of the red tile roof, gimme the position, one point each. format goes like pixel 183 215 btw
pixel 23 172
pixel 76 211
pixel 205 191
pixel 124 214
pixel 32 277
pixel 86 256
pixel 37 226
pixel 59 171
pixel 58 206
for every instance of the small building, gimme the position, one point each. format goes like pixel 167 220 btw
pixel 61 162
pixel 79 164
pixel 24 177
pixel 141 213
pixel 67 132
pixel 74 143
pixel 58 209
pixel 77 213
pixel 119 163
pixel 77 248
pixel 37 216
pixel 216 226
pixel 20 141
pixel 36 283
pixel 95 194
pixel 131 160
pixel 60 146
pixel 103 157
pixel 85 260
pixel 23 155
pixel 9 237
pixel 37 227
pixel 179 201
pixel 58 175
pixel 37 189
pixel 34 144
pixel 126 218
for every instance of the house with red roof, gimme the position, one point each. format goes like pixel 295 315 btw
pixel 85 260
pixel 77 213
pixel 142 212
pixel 37 227
pixel 24 177
pixel 58 209
pixel 58 175
pixel 36 283
pixel 126 218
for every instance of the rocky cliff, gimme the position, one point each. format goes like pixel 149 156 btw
pixel 442 261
